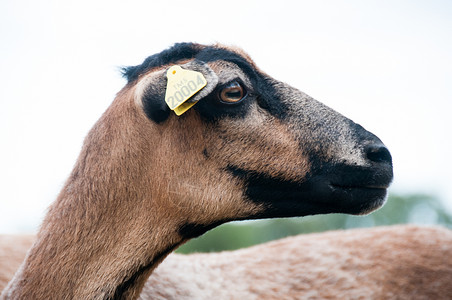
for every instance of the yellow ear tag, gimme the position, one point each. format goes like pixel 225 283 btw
pixel 182 85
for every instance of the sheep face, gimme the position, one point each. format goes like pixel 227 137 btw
pixel 254 147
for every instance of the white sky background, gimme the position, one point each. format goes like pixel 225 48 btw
pixel 384 64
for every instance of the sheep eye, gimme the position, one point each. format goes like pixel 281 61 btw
pixel 233 92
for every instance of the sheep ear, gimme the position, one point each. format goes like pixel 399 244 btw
pixel 209 75
pixel 150 91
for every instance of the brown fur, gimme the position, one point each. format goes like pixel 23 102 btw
pixel 400 262
pixel 12 252
pixel 136 183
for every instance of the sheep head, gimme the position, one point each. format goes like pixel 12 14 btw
pixel 254 147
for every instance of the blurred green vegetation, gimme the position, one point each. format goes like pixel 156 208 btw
pixel 414 209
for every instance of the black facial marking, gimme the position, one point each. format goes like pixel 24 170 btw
pixel 211 54
pixel 193 230
pixel 264 91
pixel 274 193
pixel 337 188
pixel 211 108
pixel 176 53
pixel 205 153
pixel 269 99
pixel 154 104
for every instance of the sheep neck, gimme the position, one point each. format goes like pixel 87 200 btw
pixel 77 263
pixel 106 232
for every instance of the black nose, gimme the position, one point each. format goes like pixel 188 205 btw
pixel 378 153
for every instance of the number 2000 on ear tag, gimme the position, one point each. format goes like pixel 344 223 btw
pixel 181 86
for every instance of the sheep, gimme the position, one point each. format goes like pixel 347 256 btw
pixel 147 179
pixel 396 262
pixel 402 262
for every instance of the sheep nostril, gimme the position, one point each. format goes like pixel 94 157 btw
pixel 378 153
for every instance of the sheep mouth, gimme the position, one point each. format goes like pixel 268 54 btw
pixel 340 189
pixel 359 200
pixel 365 187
